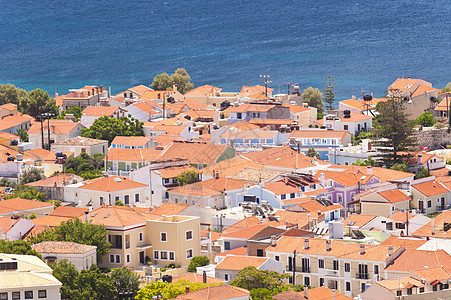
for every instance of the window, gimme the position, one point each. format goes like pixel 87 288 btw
pixel 340 199
pixel 422 290
pixel 429 203
pixel 166 180
pixel 16 295
pixel 155 255
pixel 171 256
pixel 389 226
pixel 238 115
pixel 226 277
pixel 127 199
pixel 409 291
pixel 335 264
pixel 111 258
pixel 116 198
pixel 376 269
pixel 227 245
pixel 128 258
pixel 283 196
pixel 345 127
pixel 398 293
pixel 306 281
pixel 42 294
pixel 321 263
pixel 347 267
pixel 101 200
pixel 189 235
pixel 260 252
pixel 277 257
pixel 292 195
pixel 118 259
pixel 321 282
pixel 164 255
pixel 141 236
pixel 3 296
pixel 400 225
pixel 163 236
pixel 362 287
pixel 189 253
pixel 136 197
pixel 83 150
pixel 348 286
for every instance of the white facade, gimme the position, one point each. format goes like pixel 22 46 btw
pixel 82 261
pixel 36 138
pixel 101 148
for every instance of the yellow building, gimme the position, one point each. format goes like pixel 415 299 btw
pixel 135 234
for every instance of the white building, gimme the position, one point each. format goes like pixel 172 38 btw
pixel 79 145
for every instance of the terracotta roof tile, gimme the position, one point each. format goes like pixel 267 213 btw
pixel 69 212
pixel 165 140
pixel 170 129
pixel 399 283
pixel 9 136
pixel 169 209
pixel 140 89
pixel 394 196
pixel 230 167
pixel 142 154
pixel 405 242
pixel 5 223
pixel 238 262
pixel 422 89
pixel 280 188
pixel 116 216
pixel 110 184
pixel 62 247
pixel 51 221
pixel 195 153
pixel 196 278
pixel 242 224
pixel 356 117
pixel 253 90
pixel 248 232
pixel 430 188
pixel 194 104
pixel 358 220
pixel 237 251
pixel 56 126
pixel 203 90
pixel 81 141
pixel 296 108
pixel 269 155
pixel 19 204
pixel 409 261
pixel 58 180
pixel 99 111
pixel 216 292
pixel 172 172
pixel 244 108
pixel 403 83
pixel 131 140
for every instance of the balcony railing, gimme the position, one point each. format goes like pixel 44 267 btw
pixel 298 269
pixel 361 276
pixel 334 273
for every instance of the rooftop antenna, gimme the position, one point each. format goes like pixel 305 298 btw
pixel 266 83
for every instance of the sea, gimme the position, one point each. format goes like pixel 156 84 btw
pixel 57 45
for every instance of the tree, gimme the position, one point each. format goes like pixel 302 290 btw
pixel 96 284
pixel 313 97
pixel 402 167
pixel 180 77
pixel 187 177
pixel 119 203
pixel 367 162
pixel 125 279
pixel 392 130
pixel 74 110
pixel 362 136
pixel 77 231
pixel 426 119
pixel 312 153
pixel 11 94
pixel 23 134
pixel 197 261
pixel 107 128
pixel 67 274
pixel 86 166
pixel 329 93
pixel 422 173
pixel 447 88
pixel 38 102
pixel 169 291
pixel 17 247
pixel 251 278
pixel 28 192
pixel 31 175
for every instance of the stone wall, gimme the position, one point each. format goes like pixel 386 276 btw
pixel 433 138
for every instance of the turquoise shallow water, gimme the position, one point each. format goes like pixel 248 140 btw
pixel 57 45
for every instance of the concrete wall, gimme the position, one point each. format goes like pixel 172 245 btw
pixel 101 148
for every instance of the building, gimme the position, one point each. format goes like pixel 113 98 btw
pixel 83 97
pixel 121 161
pixel 352 122
pixel 252 140
pixel 107 191
pixel 60 130
pixel 134 236
pixel 429 196
pixel 302 114
pixel 54 162
pixel 319 293
pixel 12 123
pixel 247 112
pixel 27 277
pixel 215 292
pixel 91 113
pixel 135 92
pixel 14 228
pixel 54 185
pixel 320 140
pixel 80 144
pixel 229 267
pixel 24 207
pixel 133 142
pixel 82 256
pixel 144 111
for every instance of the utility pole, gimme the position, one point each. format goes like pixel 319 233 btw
pixel 266 83
pixel 449 110
pixel 288 86
pixel 294 267
pixel 42 132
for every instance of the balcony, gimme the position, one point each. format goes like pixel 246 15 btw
pixel 298 269
pixel 333 273
pixel 361 275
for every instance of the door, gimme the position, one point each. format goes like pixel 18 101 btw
pixel 443 203
pixel 142 256
pixel 290 264
pixel 421 206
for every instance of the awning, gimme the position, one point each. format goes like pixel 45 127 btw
pixel 143 247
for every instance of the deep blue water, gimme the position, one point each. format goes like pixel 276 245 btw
pixel 57 45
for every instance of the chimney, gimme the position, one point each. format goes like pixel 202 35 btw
pixel 369 170
pixel 217 175
pixel 305 293
pixel 186 289
pixel 306 243
pixel 174 87
pixel 309 222
pixel 390 250
pixel 273 241
pixel 86 217
pixel 204 277
pixel 322 179
pixel 285 180
pixel 414 212
pixel 12 221
pixel 328 248
pixel 89 207
pixel 420 159
pixel 362 249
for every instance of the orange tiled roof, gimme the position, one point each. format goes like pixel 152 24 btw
pixel 356 117
pixel 430 188
pixel 382 173
pixel 438 224
pixel 399 283
pixel 422 89
pixel 18 204
pixel 243 125
pixel 238 262
pixel 155 95
pixel 164 140
pixel 280 187
pixel 170 129
pixel 196 278
pixel 405 242
pixel 99 111
pixel 236 251
pixel 231 166
pixel 176 108
pixel 403 83
pixel 252 90
pixel 172 172
pixel 142 154
pixel 409 261
pixel 242 224
pixel 56 126
pixel 358 220
pixel 9 106
pixel 140 89
pixel 111 183
pixel 194 104
pixel 248 232
pixel 68 211
pixel 362 105
pixel 195 153
pixel 432 274
pixel 116 216
pixel 62 247
pixel 131 140
pixel 5 223
pixel 269 155
pixel 12 121
pixel 56 180
pixel 203 90
pixel 295 161
pixel 9 136
pixel 169 209
pixel 39 152
pixel 194 190
pixel 296 108
pixel 51 221
pixel 394 196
